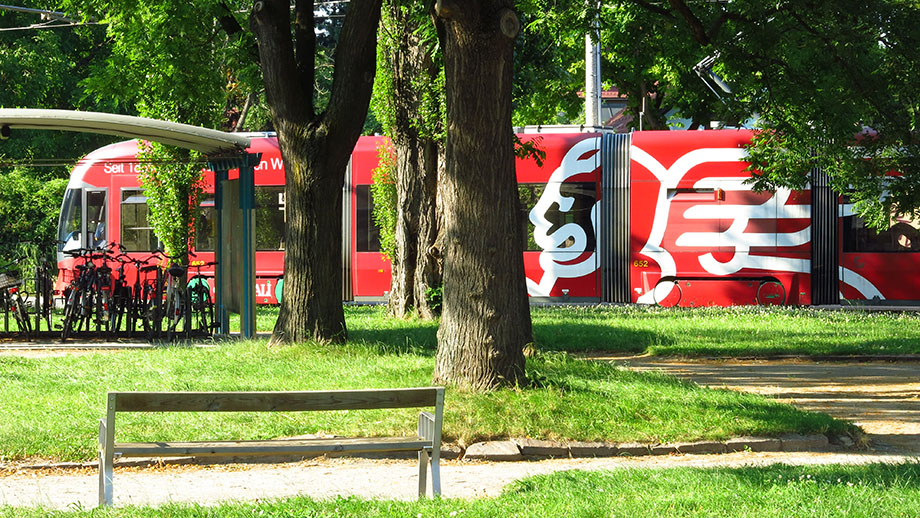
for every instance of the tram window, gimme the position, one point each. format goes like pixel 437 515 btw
pixel 902 236
pixel 71 223
pixel 367 236
pixel 136 232
pixel 269 217
pixel 206 224
pixel 95 219
pixel 584 195
pixel 529 195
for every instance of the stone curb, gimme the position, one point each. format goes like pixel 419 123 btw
pixel 517 449
pixel 528 449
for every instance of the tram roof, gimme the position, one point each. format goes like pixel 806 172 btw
pixel 205 140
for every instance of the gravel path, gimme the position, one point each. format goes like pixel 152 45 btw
pixel 210 485
pixel 882 397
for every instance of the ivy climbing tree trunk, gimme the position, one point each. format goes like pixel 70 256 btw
pixel 486 316
pixel 316 148
pixel 417 266
pixel 409 103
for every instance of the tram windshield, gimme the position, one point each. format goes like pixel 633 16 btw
pixel 82 222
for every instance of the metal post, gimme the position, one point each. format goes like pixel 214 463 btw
pixel 593 76
pixel 223 327
pixel 247 205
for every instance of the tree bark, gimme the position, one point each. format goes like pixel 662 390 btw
pixel 316 149
pixel 416 265
pixel 486 316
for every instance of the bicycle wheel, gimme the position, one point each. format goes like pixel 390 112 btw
pixel 116 310
pixel 148 310
pixel 204 312
pixel 175 312
pixel 199 294
pixel 71 311
pixel 21 314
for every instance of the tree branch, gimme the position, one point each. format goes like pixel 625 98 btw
pixel 305 52
pixel 699 32
pixel 654 8
pixel 355 66
pixel 270 21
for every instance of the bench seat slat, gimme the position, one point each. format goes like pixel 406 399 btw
pixel 273 401
pixel 271 447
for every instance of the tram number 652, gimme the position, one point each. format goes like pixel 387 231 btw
pixel 640 263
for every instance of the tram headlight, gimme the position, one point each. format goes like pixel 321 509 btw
pixel 5 132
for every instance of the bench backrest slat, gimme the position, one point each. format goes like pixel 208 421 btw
pixel 273 401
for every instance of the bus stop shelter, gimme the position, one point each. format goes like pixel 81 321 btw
pixel 234 199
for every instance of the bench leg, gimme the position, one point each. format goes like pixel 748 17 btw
pixel 106 460
pixel 423 460
pixel 436 472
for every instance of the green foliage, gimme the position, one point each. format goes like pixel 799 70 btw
pixel 406 29
pixel 529 149
pixel 167 61
pixel 383 191
pixel 435 296
pixel 835 84
pixel 837 87
pixel 29 209
pixel 41 69
pixel 645 55
pixel 549 63
pixel 173 181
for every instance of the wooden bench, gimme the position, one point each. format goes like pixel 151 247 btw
pixel 427 442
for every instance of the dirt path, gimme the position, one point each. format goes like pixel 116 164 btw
pixel 883 397
pixel 346 477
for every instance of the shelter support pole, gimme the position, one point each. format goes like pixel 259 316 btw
pixel 247 205
pixel 235 247
pixel 221 269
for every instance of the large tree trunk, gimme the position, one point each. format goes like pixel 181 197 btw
pixel 316 149
pixel 486 319
pixel 416 267
pixel 312 301
pixel 416 262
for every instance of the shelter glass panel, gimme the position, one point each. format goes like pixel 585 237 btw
pixel 206 224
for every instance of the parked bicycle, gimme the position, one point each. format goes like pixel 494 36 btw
pixel 202 305
pixel 14 301
pixel 136 297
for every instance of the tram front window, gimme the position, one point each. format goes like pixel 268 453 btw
pixel 71 222
pixel 95 216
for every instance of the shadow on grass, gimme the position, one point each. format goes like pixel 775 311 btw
pixel 419 339
pixel 584 336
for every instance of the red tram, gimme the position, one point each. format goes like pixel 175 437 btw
pixel 649 217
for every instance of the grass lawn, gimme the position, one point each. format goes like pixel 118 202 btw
pixel 738 331
pixel 51 406
pixel 776 491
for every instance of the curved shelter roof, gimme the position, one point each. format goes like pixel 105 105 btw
pixel 207 141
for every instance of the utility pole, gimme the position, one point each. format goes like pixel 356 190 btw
pixel 593 76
